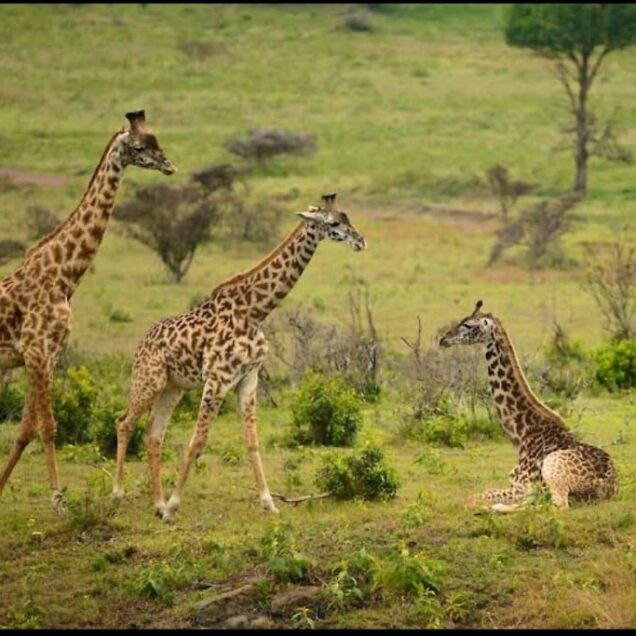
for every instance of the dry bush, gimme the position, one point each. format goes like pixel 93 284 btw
pixel 10 249
pixel 611 279
pixel 358 21
pixel 257 221
pixel 352 351
pixel 506 190
pixel 40 221
pixel 221 176
pixel 261 145
pixel 539 228
pixel 171 221
pixel 443 382
pixel 239 218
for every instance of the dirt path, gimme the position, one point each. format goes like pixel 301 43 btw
pixel 34 178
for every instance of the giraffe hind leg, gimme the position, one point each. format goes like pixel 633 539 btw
pixel 148 380
pixel 26 433
pixel 162 410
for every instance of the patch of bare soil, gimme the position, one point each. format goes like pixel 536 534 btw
pixel 33 178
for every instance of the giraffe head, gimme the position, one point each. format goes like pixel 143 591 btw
pixel 473 329
pixel 141 148
pixel 333 223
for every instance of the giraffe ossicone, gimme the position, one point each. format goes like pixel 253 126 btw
pixel 219 345
pixel 548 452
pixel 35 312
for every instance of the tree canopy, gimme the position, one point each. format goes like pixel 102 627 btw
pixel 571 29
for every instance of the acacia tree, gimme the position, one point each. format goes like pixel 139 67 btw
pixel 577 38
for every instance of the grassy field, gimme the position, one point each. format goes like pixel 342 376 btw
pixel 407 118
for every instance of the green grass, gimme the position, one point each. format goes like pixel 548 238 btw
pixel 406 116
pixel 534 569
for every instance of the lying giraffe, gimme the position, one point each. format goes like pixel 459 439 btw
pixel 219 345
pixel 548 452
pixel 35 316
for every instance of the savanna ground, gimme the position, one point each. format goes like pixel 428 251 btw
pixel 407 117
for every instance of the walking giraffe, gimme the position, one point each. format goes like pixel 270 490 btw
pixel 35 315
pixel 219 345
pixel 548 451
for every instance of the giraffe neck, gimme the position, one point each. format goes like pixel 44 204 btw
pixel 266 285
pixel 509 386
pixel 73 245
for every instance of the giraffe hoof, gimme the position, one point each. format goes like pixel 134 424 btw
pixel 160 511
pixel 168 517
pixel 268 506
pixel 117 495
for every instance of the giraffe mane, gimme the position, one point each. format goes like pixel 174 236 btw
pixel 518 371
pixel 51 235
pixel 263 262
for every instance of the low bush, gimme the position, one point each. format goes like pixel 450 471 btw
pixel 325 411
pixel 454 432
pixel 616 365
pixel 74 396
pixel 11 403
pixel 363 475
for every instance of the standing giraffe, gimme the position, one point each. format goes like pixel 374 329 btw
pixel 219 345
pixel 35 315
pixel 548 451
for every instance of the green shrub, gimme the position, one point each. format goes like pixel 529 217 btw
pixel 454 432
pixel 325 411
pixel 616 365
pixel 405 573
pixel 362 476
pixel 103 430
pixel 73 397
pixel 11 403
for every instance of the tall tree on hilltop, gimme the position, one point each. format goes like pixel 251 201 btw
pixel 577 38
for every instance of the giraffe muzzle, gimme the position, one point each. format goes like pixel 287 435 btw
pixel 168 167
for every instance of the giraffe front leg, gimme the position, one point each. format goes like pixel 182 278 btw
pixel 48 430
pixel 214 392
pixel 508 499
pixel 247 406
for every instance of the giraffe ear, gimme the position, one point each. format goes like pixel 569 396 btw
pixel 137 119
pixel 311 215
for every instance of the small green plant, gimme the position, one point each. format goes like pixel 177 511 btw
pixel 429 610
pixel 162 580
pixel 343 591
pixel 363 475
pixel 405 573
pixel 616 365
pixel 284 562
pixel 91 511
pixel 292 474
pixel 325 411
pixel 431 460
pixel 301 619
pixel 538 526
pixel 416 514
